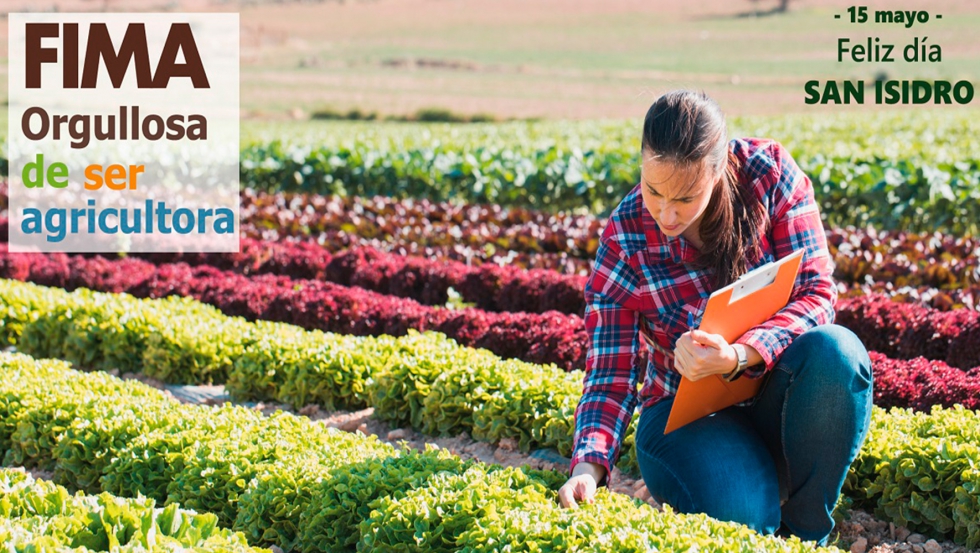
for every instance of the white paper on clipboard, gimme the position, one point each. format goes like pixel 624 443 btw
pixel 759 278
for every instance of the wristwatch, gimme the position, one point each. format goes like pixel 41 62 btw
pixel 743 362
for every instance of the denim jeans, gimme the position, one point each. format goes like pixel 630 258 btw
pixel 777 465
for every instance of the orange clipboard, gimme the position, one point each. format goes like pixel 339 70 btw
pixel 731 311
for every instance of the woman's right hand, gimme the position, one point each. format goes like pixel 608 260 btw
pixel 581 485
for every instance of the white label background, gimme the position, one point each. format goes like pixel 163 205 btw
pixel 184 173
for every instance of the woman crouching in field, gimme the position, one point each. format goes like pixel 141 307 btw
pixel 706 211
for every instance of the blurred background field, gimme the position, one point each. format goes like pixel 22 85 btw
pixel 569 59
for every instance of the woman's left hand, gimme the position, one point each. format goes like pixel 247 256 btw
pixel 698 354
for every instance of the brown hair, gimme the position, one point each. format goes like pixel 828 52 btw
pixel 688 128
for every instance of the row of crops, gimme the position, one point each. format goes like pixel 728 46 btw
pixel 935 264
pixel 453 318
pixel 37 515
pixel 940 269
pixel 919 171
pixel 286 481
pixel 55 324
pixel 438 387
pixel 338 222
pixel 904 330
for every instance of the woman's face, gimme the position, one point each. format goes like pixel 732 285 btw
pixel 676 196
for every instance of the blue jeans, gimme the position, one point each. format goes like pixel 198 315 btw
pixel 777 465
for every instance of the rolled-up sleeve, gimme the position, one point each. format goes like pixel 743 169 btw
pixel 795 225
pixel 611 372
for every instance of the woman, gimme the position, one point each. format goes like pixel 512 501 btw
pixel 706 211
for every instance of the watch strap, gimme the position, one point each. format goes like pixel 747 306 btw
pixel 733 376
pixel 742 363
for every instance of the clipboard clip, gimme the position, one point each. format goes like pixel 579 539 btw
pixel 757 279
pixel 749 283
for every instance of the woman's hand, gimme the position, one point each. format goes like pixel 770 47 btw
pixel 581 485
pixel 698 354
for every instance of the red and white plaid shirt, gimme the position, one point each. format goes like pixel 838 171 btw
pixel 642 277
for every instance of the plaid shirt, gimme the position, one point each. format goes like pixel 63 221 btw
pixel 641 279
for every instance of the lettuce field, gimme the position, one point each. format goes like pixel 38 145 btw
pixel 433 274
